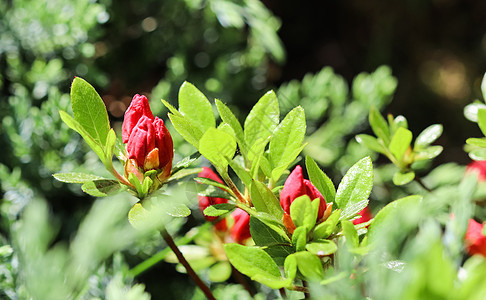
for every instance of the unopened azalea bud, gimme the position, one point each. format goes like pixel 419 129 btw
pixel 149 143
pixel 296 186
pixel 240 231
pixel 474 239
pixel 479 167
pixel 365 214
pixel 205 201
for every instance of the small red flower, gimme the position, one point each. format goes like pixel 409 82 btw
pixel 240 231
pixel 149 144
pixel 296 186
pixel 474 239
pixel 205 201
pixel 479 167
pixel 365 214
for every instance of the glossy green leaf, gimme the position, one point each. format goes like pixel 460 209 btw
pixel 256 264
pixel 262 119
pixel 255 155
pixel 228 117
pixel 73 124
pixel 482 120
pixel 218 147
pixel 309 265
pixel 320 180
pixel 89 110
pixel 428 153
pixel 265 234
pixel 471 111
pixel 480 142
pixel 352 209
pixel 264 199
pixel 400 142
pixel 302 213
pixel 241 172
pixel 428 136
pixel 370 142
pixel 325 229
pixel 400 178
pixel 183 173
pixel 101 188
pixel 217 210
pixel 478 154
pixel 110 147
pixel 208 181
pixel 356 185
pixel 290 266
pixel 195 107
pixel 185 162
pixel 389 213
pixel 350 233
pixel 76 177
pixel 190 133
pixel 299 238
pixel 178 210
pixel 379 125
pixel 286 142
pixel 220 272
pixel 321 247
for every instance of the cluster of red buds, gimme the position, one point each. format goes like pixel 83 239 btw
pixel 475 240
pixel 149 144
pixel 240 230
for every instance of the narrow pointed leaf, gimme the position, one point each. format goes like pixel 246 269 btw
pixel 320 180
pixel 379 125
pixel 400 142
pixel 262 119
pixel 264 200
pixel 356 184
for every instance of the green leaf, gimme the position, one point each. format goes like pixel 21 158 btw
pixel 309 265
pixel 185 162
pixel 350 233
pixel 255 155
pixel 482 120
pixel 356 184
pixel 400 142
pixel 89 110
pixel 428 136
pixel 262 119
pixel 183 173
pixel 477 142
pixel 178 210
pixel 290 266
pixel 471 111
pixel 325 229
pixel 101 188
pixel 241 172
pixel 220 272
pixel 256 264
pixel 400 178
pixel 302 212
pixel 110 148
pixel 218 147
pixel 195 107
pixel 76 177
pixel 478 154
pixel 379 125
pixel 73 124
pixel 208 181
pixel 299 238
pixel 428 153
pixel 217 210
pixel 171 108
pixel 371 143
pixel 390 212
pixel 321 247
pixel 353 209
pixel 286 142
pixel 320 180
pixel 190 133
pixel 264 200
pixel 265 234
pixel 228 117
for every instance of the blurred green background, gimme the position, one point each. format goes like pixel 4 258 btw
pixel 234 51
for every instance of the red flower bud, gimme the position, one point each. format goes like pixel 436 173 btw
pixel 205 201
pixel 365 214
pixel 240 231
pixel 479 167
pixel 474 239
pixel 149 143
pixel 138 107
pixel 296 186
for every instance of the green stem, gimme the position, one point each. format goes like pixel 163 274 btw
pixel 170 242
pixel 161 255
